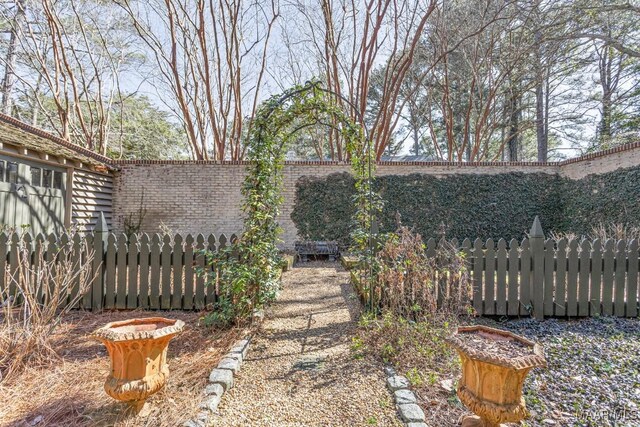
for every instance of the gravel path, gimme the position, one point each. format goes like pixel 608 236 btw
pixel 300 370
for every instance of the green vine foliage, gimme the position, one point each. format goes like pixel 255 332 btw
pixel 472 206
pixel 248 271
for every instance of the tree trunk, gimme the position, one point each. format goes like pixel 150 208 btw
pixel 512 141
pixel 541 135
pixel 605 121
pixel 10 60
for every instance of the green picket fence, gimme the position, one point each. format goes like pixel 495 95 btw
pixel 564 278
pixel 543 278
pixel 143 271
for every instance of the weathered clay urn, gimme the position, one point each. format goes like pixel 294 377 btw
pixel 138 352
pixel 494 366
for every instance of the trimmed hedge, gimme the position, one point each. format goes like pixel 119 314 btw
pixel 485 206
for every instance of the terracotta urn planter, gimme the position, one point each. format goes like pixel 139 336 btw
pixel 494 366
pixel 138 352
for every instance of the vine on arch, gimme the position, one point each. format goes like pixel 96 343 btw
pixel 250 278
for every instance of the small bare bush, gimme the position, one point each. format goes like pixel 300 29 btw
pixel 567 235
pixel 37 295
pixel 613 231
pixel 603 232
pixel 418 287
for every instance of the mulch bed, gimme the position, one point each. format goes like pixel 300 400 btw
pixel 69 391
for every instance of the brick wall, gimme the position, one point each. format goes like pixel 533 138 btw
pixel 602 161
pixel 204 197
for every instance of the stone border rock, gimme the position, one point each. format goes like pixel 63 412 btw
pixel 410 413
pixel 220 381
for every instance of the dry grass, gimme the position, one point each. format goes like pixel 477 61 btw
pixel 43 292
pixel 418 351
pixel 69 392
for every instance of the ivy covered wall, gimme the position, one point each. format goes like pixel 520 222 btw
pixel 613 197
pixel 472 205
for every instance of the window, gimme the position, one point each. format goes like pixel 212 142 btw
pixel 12 172
pixel 2 178
pixel 57 180
pixel 36 176
pixel 47 178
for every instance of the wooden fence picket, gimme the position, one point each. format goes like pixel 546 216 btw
pixel 13 264
pixel 621 267
pixel 501 278
pixel 77 258
pixel 210 291
pixel 513 266
pixel 632 280
pixel 4 249
pixel 572 278
pixel 87 300
pixel 50 255
pixel 154 266
pixel 27 244
pixel 187 300
pixel 200 279
pixel 110 283
pixel 608 278
pixel 549 270
pixel 583 278
pixel 99 239
pixel 595 289
pixel 478 268
pixel 133 277
pixel 560 295
pixel 121 271
pixel 143 297
pixel 489 278
pixel 165 263
pixel 466 252
pixel 536 238
pixel 525 278
pixel 178 262
pixel 39 247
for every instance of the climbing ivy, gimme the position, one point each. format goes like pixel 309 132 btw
pixel 249 269
pixel 485 206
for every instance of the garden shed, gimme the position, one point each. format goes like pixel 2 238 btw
pixel 49 183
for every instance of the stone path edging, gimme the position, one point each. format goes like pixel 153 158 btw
pixel 408 409
pixel 220 381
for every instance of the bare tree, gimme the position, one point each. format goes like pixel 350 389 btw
pixel 70 56
pixel 211 57
pixel 345 41
pixel 477 53
pixel 10 57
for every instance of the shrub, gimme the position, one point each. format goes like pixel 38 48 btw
pixel 417 349
pixel 416 286
pixel 38 296
pixel 234 283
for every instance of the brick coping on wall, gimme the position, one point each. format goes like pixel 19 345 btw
pixel 625 147
pixel 584 157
